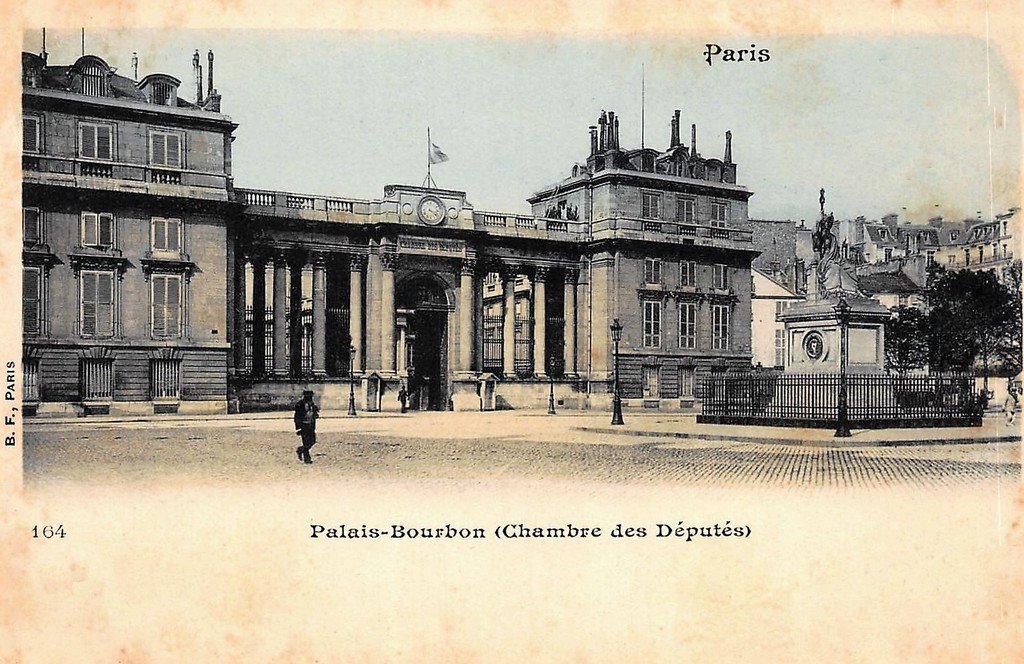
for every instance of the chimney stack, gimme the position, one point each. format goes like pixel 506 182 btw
pixel 43 54
pixel 675 130
pixel 728 147
pixel 593 140
pixel 209 73
pixel 135 66
pixel 603 122
pixel 693 140
pixel 613 142
pixel 198 70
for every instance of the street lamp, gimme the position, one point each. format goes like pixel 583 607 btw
pixel 351 384
pixel 843 314
pixel 616 328
pixel 551 384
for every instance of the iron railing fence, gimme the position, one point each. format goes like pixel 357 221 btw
pixel 874 401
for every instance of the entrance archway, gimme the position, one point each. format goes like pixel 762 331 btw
pixel 423 299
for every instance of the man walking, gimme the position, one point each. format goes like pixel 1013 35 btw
pixel 306 413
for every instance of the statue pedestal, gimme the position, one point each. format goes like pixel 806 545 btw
pixel 813 336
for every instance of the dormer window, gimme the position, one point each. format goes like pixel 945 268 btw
pixel 160 89
pixel 93 76
pixel 953 235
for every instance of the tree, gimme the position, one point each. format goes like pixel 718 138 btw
pixel 906 340
pixel 973 319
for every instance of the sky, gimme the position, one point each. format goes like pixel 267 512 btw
pixel 920 125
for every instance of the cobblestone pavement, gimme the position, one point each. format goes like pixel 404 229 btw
pixel 430 447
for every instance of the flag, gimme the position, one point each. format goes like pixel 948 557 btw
pixel 436 156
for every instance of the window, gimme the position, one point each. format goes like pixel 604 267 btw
pixel 30 380
pixel 165 380
pixel 687 325
pixel 166 235
pixel 97 379
pixel 780 307
pixel 687 273
pixel 32 300
pixel 95 141
pixel 951 260
pixel 650 382
pixel 719 213
pixel 165 149
pixel 721 277
pixel 31 134
pixel 981 254
pixel 931 257
pixel 888 254
pixel 953 235
pixel 686 381
pixel 652 270
pixel 967 256
pixel 684 210
pixel 1005 252
pixel 720 327
pixel 94 81
pixel 651 205
pixel 166 305
pixel 31 226
pixel 97 304
pixel 652 323
pixel 97 230
pixel 780 348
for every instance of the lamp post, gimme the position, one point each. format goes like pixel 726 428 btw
pixel 843 314
pixel 616 328
pixel 551 386
pixel 351 383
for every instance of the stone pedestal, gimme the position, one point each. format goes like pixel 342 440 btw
pixel 813 336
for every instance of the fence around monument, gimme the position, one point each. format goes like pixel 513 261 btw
pixel 874 401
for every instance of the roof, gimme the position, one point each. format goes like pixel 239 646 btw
pixel 887 282
pixel 875 233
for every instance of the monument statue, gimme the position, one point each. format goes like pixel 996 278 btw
pixel 833 274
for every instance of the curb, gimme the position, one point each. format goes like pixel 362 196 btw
pixel 803 441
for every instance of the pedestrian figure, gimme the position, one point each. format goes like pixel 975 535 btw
pixel 306 414
pixel 1012 402
pixel 403 396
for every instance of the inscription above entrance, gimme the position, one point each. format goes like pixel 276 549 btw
pixel 431 246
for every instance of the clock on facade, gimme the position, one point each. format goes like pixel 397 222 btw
pixel 814 345
pixel 431 210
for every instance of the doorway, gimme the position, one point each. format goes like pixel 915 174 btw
pixel 424 297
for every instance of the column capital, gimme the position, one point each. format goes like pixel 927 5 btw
pixel 280 258
pixel 468 267
pixel 541 272
pixel 356 262
pixel 389 260
pixel 572 275
pixel 319 259
pixel 508 271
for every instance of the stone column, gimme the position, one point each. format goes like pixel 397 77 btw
pixel 356 265
pixel 319 315
pixel 402 352
pixel 569 351
pixel 280 314
pixel 540 321
pixel 508 339
pixel 467 297
pixel 239 340
pixel 389 261
pixel 259 315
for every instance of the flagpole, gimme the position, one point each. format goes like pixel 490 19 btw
pixel 429 180
pixel 643 100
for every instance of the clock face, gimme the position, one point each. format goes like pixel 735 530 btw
pixel 814 345
pixel 431 211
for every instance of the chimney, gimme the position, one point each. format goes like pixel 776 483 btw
pixel 209 74
pixel 613 140
pixel 728 147
pixel 693 140
pixel 603 121
pixel 675 130
pixel 43 54
pixel 616 133
pixel 197 68
pixel 593 140
pixel 135 66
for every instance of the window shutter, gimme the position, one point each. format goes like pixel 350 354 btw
pixel 30 134
pixel 174 150
pixel 173 288
pixel 159 149
pixel 159 234
pixel 159 305
pixel 30 300
pixel 105 304
pixel 103 143
pixel 173 230
pixel 106 230
pixel 90 229
pixel 88 147
pixel 31 226
pixel 89 302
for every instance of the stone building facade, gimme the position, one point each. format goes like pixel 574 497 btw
pixel 152 283
pixel 126 204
